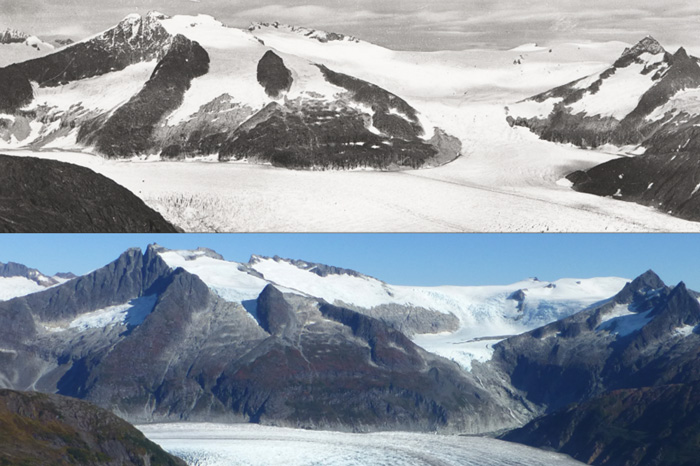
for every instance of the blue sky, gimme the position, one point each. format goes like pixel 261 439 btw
pixel 404 259
pixel 398 24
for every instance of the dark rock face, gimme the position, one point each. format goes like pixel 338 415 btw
pixel 42 196
pixel 275 315
pixel 646 45
pixel 382 102
pixel 632 427
pixel 273 75
pixel 316 133
pixel 410 320
pixel 128 131
pixel 129 276
pixel 64 42
pixel 665 181
pixel 15 90
pixel 37 428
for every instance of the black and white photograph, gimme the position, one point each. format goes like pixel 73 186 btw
pixel 329 116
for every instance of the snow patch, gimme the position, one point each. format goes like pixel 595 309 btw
pixel 533 109
pixel 622 321
pixel 529 48
pixel 619 94
pixel 12 287
pixel 225 278
pixel 684 101
pixel 132 313
pixel 684 331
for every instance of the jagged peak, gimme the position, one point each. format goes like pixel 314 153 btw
pixel 156 15
pixel 681 54
pixel 321 270
pixel 647 281
pixel 155 247
pixel 132 252
pixel 10 35
pixel 646 45
pixel 188 254
pixel 141 24
pixel 316 34
pixel 131 18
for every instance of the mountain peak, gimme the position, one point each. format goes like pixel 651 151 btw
pixel 321 36
pixel 647 281
pixel 9 36
pixel 321 270
pixel 646 45
pixel 152 15
pixel 680 54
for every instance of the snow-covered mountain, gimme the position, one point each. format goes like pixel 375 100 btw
pixel 615 105
pixel 645 107
pixel 190 86
pixel 459 323
pixel 19 280
pixel 17 46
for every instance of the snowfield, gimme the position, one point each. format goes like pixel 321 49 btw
pixel 249 444
pixel 506 180
pixel 12 287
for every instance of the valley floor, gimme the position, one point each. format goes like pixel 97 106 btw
pixel 505 181
pixel 247 444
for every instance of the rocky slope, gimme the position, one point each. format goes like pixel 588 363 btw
pixel 651 425
pixel 190 86
pixel 644 103
pixel 39 196
pixel 37 428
